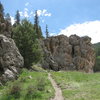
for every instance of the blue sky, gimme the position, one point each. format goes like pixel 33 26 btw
pixel 60 15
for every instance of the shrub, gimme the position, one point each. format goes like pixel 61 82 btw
pixel 15 90
pixel 97 65
pixel 41 82
pixel 38 68
pixel 32 93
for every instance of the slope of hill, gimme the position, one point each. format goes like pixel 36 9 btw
pixel 97 49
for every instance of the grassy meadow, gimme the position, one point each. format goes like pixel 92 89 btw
pixel 29 86
pixel 33 85
pixel 78 85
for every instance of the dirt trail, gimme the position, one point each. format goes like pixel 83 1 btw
pixel 58 92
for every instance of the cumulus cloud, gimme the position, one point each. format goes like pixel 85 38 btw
pixel 12 20
pixel 26 13
pixel 21 13
pixel 43 12
pixel 90 28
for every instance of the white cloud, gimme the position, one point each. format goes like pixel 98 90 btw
pixel 24 13
pixel 90 28
pixel 25 9
pixel 52 34
pixel 12 20
pixel 21 13
pixel 43 12
pixel 39 12
pixel 26 4
pixel 49 14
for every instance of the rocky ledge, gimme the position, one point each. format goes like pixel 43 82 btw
pixel 68 53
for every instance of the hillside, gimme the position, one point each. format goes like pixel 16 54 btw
pixel 97 45
pixel 97 48
pixel 97 64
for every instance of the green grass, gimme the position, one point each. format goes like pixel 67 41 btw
pixel 36 86
pixel 98 57
pixel 29 86
pixel 78 85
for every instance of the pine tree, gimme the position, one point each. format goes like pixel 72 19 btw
pixel 8 23
pixel 37 28
pixel 17 18
pixel 7 18
pixel 1 13
pixel 47 33
pixel 36 19
pixel 27 43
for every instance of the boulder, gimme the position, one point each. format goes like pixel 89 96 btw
pixel 68 53
pixel 10 59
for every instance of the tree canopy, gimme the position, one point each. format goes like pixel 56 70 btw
pixel 27 42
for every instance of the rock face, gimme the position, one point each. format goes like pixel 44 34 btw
pixel 68 53
pixel 10 59
pixel 5 29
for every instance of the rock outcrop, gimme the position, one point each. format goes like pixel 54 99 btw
pixel 68 53
pixel 6 29
pixel 10 59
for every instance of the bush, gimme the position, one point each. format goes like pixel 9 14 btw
pixel 38 68
pixel 97 65
pixel 32 93
pixel 41 82
pixel 15 90
pixel 29 86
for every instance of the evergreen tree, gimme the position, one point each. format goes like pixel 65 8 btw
pixel 7 18
pixel 1 13
pixel 8 23
pixel 17 18
pixel 40 32
pixel 36 19
pixel 26 41
pixel 47 33
pixel 37 28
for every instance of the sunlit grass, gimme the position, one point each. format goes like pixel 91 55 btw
pixel 29 86
pixel 78 85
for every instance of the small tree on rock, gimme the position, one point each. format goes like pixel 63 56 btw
pixel 17 18
pixel 47 33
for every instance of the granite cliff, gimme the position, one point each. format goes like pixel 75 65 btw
pixel 68 53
